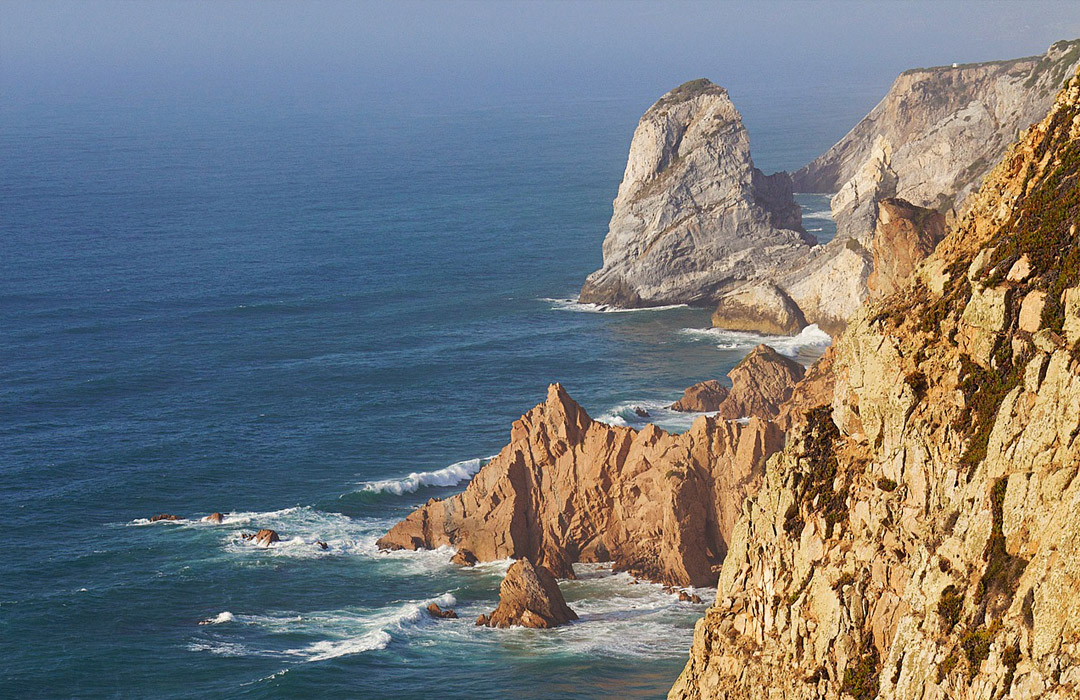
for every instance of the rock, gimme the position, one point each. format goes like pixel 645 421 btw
pixel 702 397
pixel 684 597
pixel 1020 270
pixel 761 307
pixel 266 537
pixel 435 611
pixel 541 497
pixel 164 516
pixel 482 621
pixel 529 596
pixel 919 534
pixel 641 412
pixel 695 599
pixel 322 545
pixel 829 283
pixel 693 215
pixel 760 383
pixel 464 557
pixel 904 236
pixel 813 390
pixel 215 518
pixel 1031 309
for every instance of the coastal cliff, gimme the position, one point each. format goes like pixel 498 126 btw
pixel 693 215
pixel 919 535
pixel 930 141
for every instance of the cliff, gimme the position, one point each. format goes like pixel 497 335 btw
pixel 919 535
pixel 693 214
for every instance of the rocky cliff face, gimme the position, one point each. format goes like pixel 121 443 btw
pixel 693 214
pixel 930 141
pixel 919 536
pixel 568 489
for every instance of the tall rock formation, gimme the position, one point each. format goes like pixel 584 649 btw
pixel 569 489
pixel 693 214
pixel 919 536
pixel 904 236
pixel 529 596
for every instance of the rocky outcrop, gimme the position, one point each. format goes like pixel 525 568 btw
pixel 919 535
pixel 761 307
pixel 693 215
pixel 569 489
pixel 904 236
pixel 168 517
pixel 214 518
pixel 702 397
pixel 464 557
pixel 760 383
pixel 264 538
pixel 437 612
pixel 529 596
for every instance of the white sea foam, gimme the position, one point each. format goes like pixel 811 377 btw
pixel 823 214
pixel 808 345
pixel 336 633
pixel 219 619
pixel 447 476
pixel 575 305
pixel 659 414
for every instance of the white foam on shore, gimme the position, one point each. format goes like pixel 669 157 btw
pixel 447 476
pixel 587 308
pixel 809 344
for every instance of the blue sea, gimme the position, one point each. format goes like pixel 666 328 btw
pixel 313 317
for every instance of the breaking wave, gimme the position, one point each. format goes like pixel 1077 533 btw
pixel 447 476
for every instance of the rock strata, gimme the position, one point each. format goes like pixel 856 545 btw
pixel 919 535
pixel 529 596
pixel 570 489
pixel 693 215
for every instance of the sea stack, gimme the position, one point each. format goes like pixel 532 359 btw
pixel 529 596
pixel 693 215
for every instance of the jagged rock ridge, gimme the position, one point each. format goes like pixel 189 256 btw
pixel 919 537
pixel 693 214
pixel 568 489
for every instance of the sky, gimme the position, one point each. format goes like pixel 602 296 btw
pixel 482 52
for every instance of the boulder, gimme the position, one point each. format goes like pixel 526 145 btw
pixel 164 516
pixel 760 307
pixel 529 596
pixel 464 557
pixel 435 611
pixel 905 234
pixel 693 215
pixel 215 518
pixel 568 489
pixel 760 384
pixel 322 545
pixel 266 537
pixel 702 397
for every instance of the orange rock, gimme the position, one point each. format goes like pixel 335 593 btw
pixel 904 235
pixel 164 516
pixel 266 537
pixel 760 383
pixel 215 518
pixel 703 396
pixel 529 596
pixel 463 557
pixel 570 489
pixel 435 611
pixel 815 389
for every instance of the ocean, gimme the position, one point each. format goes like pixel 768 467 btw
pixel 314 317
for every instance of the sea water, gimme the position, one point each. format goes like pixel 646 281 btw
pixel 311 318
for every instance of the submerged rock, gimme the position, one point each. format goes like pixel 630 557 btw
pixel 529 596
pixel 693 215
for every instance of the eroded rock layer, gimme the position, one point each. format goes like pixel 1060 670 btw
pixel 693 215
pixel 569 489
pixel 919 536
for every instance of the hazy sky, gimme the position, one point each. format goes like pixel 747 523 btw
pixel 483 51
